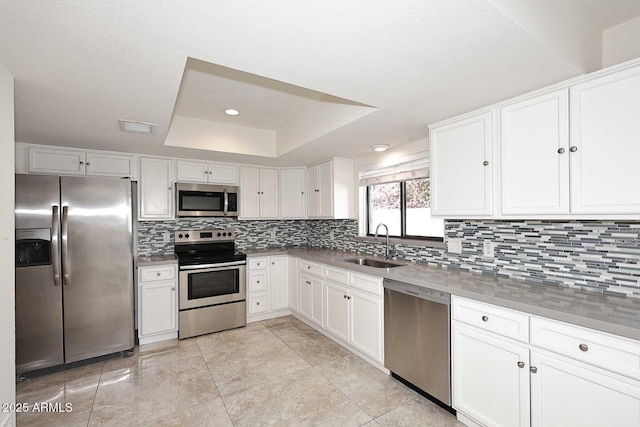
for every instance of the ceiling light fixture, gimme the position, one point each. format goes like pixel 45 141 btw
pixel 231 112
pixel 138 127
pixel 380 147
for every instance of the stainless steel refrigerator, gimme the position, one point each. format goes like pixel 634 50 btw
pixel 74 269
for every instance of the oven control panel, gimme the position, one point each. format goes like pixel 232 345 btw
pixel 204 236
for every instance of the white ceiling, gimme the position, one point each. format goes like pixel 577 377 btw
pixel 79 66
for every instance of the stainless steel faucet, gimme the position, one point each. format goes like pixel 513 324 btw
pixel 386 252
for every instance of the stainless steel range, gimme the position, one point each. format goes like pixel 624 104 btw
pixel 212 282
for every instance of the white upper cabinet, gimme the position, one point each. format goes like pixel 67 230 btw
pixel 293 195
pixel 462 167
pixel 258 193
pixel 215 173
pixel 605 144
pixel 156 189
pixel 534 155
pixel 331 188
pixel 65 161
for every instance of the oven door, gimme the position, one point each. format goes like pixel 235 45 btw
pixel 201 286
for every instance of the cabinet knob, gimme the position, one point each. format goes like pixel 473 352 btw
pixel 520 365
pixel 560 150
pixel 573 149
pixel 349 297
pixel 583 347
pixel 302 192
pixel 308 267
pixel 173 288
pixel 344 296
pixel 273 263
pixel 533 369
pixel 485 163
pixel 169 188
pixel 88 163
pixel 258 281
pixel 158 273
pixel 82 163
pixel 257 303
pixel 485 319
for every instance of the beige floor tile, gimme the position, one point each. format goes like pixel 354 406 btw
pixel 86 372
pixel 372 423
pixel 282 326
pixel 146 394
pixel 71 401
pixel 302 398
pixel 314 347
pixel 218 341
pixel 419 412
pixel 211 413
pixel 245 365
pixel 369 388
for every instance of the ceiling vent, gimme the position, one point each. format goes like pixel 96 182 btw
pixel 138 127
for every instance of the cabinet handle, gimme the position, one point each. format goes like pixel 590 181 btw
pixel 573 149
pixel 560 150
pixel 485 319
pixel 82 163
pixel 173 288
pixel 485 163
pixel 533 369
pixel 583 347
pixel 158 273
pixel 520 365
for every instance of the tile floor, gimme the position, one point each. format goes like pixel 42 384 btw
pixel 277 372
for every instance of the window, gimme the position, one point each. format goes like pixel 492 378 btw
pixel 405 208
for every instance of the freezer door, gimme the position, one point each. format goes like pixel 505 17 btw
pixel 39 342
pixel 97 266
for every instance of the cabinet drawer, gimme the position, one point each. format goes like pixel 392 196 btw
pixel 257 303
pixel 257 263
pixel 337 275
pixel 616 354
pixel 310 267
pixel 503 321
pixel 154 274
pixel 257 281
pixel 366 283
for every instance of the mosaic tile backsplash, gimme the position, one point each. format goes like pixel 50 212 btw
pixel 598 255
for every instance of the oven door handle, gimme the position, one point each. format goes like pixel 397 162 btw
pixel 226 202
pixel 204 266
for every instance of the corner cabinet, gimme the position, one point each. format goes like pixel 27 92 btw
pixel 157 303
pixel 156 199
pixel 293 191
pixel 331 189
pixel 258 193
pixel 267 287
pixel 461 163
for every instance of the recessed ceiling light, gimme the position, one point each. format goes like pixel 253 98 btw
pixel 138 127
pixel 231 112
pixel 380 147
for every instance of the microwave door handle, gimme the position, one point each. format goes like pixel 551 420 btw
pixel 55 241
pixel 226 202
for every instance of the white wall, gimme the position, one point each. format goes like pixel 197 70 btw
pixel 7 245
pixel 621 43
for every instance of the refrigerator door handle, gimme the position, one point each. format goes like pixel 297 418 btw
pixel 55 241
pixel 65 244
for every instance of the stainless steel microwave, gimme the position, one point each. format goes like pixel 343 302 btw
pixel 206 200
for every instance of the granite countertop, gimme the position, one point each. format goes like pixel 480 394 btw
pixel 608 313
pixel 147 261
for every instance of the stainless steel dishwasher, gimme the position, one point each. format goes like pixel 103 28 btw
pixel 416 337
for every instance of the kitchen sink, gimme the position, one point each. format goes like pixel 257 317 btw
pixel 372 262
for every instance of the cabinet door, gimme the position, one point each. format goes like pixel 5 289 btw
pixel 325 172
pixel 534 155
pixel 279 282
pixel 366 323
pixel 304 306
pixel 268 193
pixel 192 171
pixel 293 283
pixel 604 144
pixel 220 173
pixel 156 188
pixel 317 301
pixel 249 192
pixel 57 162
pixel 337 310
pixel 158 308
pixel 313 190
pixel 569 393
pixel 462 167
pixel 257 303
pixel 488 384
pixel 115 165
pixel 293 200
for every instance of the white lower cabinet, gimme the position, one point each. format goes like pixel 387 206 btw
pixel 337 304
pixel 304 291
pixel 365 323
pixel 267 287
pixel 488 384
pixel 317 300
pixel 157 303
pixel 560 377
pixel 293 283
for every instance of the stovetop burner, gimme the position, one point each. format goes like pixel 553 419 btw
pixel 195 247
pixel 210 257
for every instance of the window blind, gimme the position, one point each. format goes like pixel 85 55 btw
pixel 402 172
